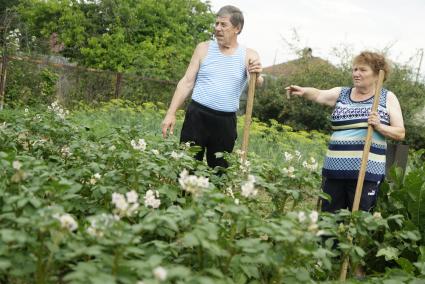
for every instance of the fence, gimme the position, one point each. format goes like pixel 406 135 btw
pixel 32 80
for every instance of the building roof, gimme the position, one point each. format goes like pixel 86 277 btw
pixel 288 68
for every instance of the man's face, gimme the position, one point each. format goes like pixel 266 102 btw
pixel 224 31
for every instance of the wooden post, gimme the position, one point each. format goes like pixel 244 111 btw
pixel 248 114
pixel 3 80
pixel 1 86
pixel 362 172
pixel 118 85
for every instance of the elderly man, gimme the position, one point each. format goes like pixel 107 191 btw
pixel 216 76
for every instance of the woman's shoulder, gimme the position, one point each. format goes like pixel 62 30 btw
pixel 390 94
pixel 344 94
pixel 346 89
pixel 391 98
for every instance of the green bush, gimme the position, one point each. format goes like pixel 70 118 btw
pixel 29 85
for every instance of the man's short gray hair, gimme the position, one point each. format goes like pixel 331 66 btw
pixel 236 16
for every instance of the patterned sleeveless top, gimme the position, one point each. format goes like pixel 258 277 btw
pixel 349 124
pixel 221 79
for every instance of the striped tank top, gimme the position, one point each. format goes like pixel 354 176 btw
pixel 349 125
pixel 221 79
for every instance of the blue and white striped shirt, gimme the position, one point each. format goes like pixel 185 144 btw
pixel 221 79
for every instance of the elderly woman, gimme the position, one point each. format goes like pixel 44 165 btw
pixel 350 119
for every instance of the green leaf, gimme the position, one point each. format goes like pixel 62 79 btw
pixel 179 272
pixel 5 264
pixel 360 252
pixel 103 279
pixel 410 235
pixel 9 235
pixel 250 271
pixel 421 267
pixel 22 202
pixel 390 253
pixel 35 202
pixel 405 264
pixel 190 240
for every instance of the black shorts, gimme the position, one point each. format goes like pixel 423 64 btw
pixel 212 130
pixel 342 192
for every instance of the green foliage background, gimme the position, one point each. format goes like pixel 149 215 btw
pixel 153 38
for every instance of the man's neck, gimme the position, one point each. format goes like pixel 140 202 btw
pixel 228 48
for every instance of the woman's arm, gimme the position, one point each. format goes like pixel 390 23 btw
pixel 324 97
pixel 396 129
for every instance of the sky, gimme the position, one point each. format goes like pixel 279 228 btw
pixel 331 27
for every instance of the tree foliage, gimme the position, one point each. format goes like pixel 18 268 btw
pixel 149 37
pixel 5 4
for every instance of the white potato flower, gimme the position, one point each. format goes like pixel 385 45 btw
pixel 248 188
pixel 301 216
pixel 138 145
pixel 192 183
pixel 288 156
pixel 132 196
pixel 160 273
pixel 177 156
pixel 16 165
pixel 67 222
pixel 289 172
pixel 314 216
pixel 152 199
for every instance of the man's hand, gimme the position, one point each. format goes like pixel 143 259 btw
pixel 254 66
pixel 168 124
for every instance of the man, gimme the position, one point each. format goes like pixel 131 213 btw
pixel 217 75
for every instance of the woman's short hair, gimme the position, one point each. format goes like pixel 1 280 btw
pixel 236 16
pixel 374 60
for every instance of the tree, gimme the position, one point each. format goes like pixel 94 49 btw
pixel 149 37
pixel 5 4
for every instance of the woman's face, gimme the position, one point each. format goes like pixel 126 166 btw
pixel 363 75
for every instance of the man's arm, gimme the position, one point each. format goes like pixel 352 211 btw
pixel 253 64
pixel 184 88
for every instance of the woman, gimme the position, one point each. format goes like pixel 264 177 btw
pixel 350 119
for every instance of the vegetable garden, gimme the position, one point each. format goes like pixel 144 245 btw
pixel 98 196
